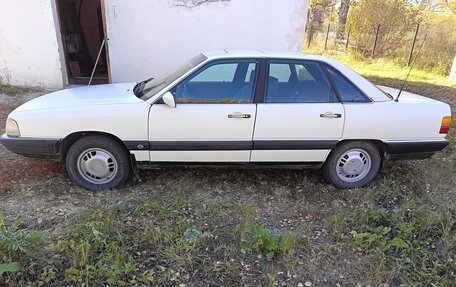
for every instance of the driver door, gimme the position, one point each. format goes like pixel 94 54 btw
pixel 214 116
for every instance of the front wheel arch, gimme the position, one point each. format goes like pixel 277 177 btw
pixel 71 139
pixel 97 162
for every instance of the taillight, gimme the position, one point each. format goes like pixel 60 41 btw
pixel 446 125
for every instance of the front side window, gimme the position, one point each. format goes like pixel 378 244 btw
pixel 297 82
pixel 226 82
pixel 348 92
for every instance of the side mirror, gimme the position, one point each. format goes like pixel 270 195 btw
pixel 168 99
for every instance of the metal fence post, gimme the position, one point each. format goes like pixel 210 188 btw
pixel 376 39
pixel 310 34
pixel 410 58
pixel 348 38
pixel 327 34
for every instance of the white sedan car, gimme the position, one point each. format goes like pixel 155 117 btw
pixel 232 108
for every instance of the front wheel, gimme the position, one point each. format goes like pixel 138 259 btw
pixel 352 165
pixel 98 163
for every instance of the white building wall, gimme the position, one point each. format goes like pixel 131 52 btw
pixel 29 44
pixel 150 37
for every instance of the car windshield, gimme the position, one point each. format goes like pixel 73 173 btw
pixel 148 88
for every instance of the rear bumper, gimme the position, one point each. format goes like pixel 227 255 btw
pixel 33 147
pixel 408 150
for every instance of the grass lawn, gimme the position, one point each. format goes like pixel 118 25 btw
pixel 218 227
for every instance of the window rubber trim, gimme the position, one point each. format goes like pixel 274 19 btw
pixel 260 87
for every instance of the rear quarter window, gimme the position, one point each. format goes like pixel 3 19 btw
pixel 347 91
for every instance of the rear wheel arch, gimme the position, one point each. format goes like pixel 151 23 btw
pixel 380 145
pixel 353 163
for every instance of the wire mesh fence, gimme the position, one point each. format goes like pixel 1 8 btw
pixel 384 42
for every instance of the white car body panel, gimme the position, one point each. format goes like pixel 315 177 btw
pixel 84 96
pixel 201 122
pixel 60 114
pixel 296 122
pixel 413 117
pixel 289 156
pixel 200 156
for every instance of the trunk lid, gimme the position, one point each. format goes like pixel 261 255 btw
pixel 407 97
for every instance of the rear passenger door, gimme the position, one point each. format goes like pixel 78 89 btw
pixel 300 118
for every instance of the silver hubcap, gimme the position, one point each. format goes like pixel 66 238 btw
pixel 97 166
pixel 353 165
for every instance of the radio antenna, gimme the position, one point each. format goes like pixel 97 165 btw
pixel 411 67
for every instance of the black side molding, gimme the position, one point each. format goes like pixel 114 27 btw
pixel 199 145
pixel 235 165
pixel 137 145
pixel 294 145
pixel 231 145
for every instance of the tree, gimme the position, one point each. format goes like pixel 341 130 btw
pixel 395 18
pixel 343 14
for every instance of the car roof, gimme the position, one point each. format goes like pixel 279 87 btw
pixel 369 89
pixel 222 54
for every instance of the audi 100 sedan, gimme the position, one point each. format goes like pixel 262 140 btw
pixel 228 108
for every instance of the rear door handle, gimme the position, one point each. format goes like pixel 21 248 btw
pixel 330 116
pixel 239 116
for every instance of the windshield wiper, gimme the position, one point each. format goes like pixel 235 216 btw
pixel 137 90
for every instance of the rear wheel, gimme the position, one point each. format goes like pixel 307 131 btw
pixel 352 165
pixel 98 163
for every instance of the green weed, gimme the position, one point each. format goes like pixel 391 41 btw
pixel 15 240
pixel 256 238
pixel 413 243
pixel 99 251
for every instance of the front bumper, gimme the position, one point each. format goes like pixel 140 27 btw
pixel 33 147
pixel 408 150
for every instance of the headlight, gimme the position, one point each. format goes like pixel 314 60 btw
pixel 12 128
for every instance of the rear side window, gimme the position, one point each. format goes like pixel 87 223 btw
pixel 348 92
pixel 297 81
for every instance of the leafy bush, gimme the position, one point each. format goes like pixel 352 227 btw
pixel 193 237
pixel 257 238
pixel 15 240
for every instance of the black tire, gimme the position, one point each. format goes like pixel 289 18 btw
pixel 106 154
pixel 333 170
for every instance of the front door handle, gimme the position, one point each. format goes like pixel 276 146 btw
pixel 330 115
pixel 239 116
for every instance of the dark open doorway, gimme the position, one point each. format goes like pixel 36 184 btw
pixel 82 28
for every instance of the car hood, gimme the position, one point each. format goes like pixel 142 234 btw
pixel 111 94
pixel 406 96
